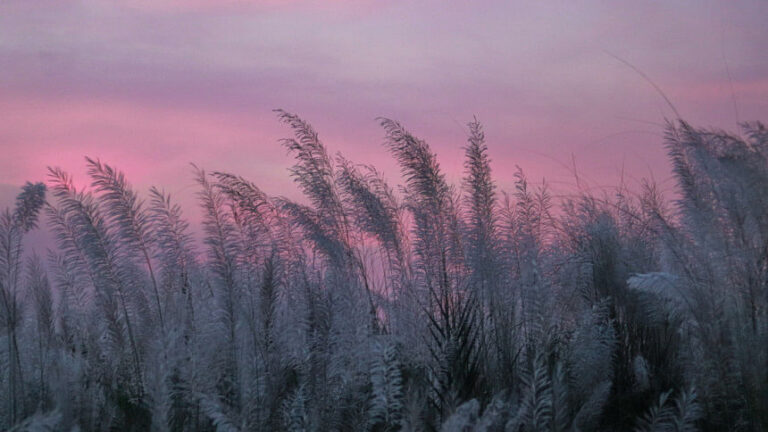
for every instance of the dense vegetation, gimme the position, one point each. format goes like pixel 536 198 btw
pixel 430 307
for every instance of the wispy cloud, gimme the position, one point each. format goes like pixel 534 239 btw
pixel 154 85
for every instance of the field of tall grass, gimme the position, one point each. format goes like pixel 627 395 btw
pixel 427 306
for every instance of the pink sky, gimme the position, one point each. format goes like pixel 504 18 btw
pixel 152 86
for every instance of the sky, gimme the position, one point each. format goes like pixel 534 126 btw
pixel 150 86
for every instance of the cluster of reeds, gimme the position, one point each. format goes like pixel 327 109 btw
pixel 430 307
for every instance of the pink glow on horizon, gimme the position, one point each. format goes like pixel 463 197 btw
pixel 156 85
